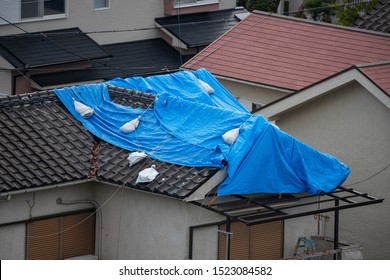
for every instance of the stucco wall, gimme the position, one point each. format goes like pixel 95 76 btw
pixel 139 225
pixel 23 207
pixel 251 93
pixel 122 15
pixel 352 125
pixel 135 225
pixel 5 81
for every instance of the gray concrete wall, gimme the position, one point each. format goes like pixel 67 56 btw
pixel 139 225
pixel 352 125
pixel 23 207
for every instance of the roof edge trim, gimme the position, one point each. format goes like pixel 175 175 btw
pixel 285 104
pixel 342 27
pixel 49 187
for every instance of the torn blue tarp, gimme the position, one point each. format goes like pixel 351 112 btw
pixel 186 125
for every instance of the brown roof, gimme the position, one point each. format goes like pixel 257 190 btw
pixel 287 52
pixel 43 145
pixel 379 74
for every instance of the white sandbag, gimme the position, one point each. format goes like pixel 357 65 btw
pixel 135 157
pixel 147 175
pixel 82 109
pixel 231 136
pixel 130 126
pixel 206 87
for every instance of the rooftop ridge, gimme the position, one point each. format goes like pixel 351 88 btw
pixel 331 25
pixel 378 63
pixel 49 95
pixel 27 98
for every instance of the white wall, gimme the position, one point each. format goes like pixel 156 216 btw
pixel 352 125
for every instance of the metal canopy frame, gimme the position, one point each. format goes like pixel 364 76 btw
pixel 264 208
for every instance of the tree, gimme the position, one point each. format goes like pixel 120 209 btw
pixel 318 10
pixel 349 12
pixel 262 5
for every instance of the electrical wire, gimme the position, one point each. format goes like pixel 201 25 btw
pixel 369 178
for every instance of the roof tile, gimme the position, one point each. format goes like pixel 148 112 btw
pixel 51 147
pixel 288 53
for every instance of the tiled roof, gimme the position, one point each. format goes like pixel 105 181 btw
pixel 138 58
pixel 41 144
pixel 377 19
pixel 44 48
pixel 379 74
pixel 287 52
pixel 200 29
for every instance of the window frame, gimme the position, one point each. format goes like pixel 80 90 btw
pixel 44 17
pixel 178 4
pixel 108 2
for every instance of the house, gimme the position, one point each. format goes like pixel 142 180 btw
pixel 346 115
pixel 67 193
pixel 325 85
pixel 268 56
pixel 133 41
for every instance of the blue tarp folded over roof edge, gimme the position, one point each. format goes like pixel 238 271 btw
pixel 186 125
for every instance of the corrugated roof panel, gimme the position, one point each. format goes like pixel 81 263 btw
pixel 379 74
pixel 49 48
pixel 200 29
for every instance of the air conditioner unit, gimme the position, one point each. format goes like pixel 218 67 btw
pixel 84 257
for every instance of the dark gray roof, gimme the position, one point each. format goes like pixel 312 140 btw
pixel 29 50
pixel 41 144
pixel 377 19
pixel 200 29
pixel 138 58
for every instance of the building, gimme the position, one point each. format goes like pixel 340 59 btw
pixel 67 193
pixel 129 35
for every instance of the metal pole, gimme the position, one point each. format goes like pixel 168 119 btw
pixel 336 228
pixel 191 241
pixel 228 238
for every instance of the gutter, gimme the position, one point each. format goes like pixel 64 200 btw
pixel 71 183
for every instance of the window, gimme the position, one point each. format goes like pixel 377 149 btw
pixel 61 237
pixel 257 242
pixel 186 3
pixel 99 4
pixel 41 8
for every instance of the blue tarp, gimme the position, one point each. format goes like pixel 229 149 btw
pixel 186 125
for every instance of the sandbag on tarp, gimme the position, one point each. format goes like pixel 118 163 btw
pixel 150 136
pixel 266 160
pixel 196 123
pixel 184 84
pixel 186 125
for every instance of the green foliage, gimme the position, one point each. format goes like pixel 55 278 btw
pixel 347 14
pixel 262 5
pixel 318 10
